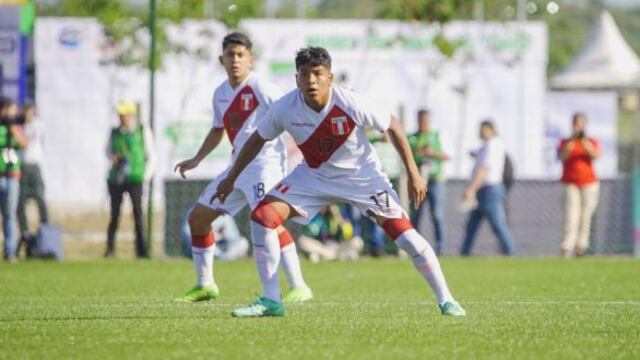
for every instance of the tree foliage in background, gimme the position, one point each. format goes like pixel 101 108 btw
pixel 568 28
pixel 238 10
pixel 440 11
pixel 126 27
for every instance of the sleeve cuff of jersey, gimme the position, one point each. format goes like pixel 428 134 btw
pixel 262 135
pixel 385 126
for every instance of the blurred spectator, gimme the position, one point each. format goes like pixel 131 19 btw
pixel 11 140
pixel 230 244
pixel 508 179
pixel 428 151
pixel 329 237
pixel 130 150
pixel 581 184
pixel 486 186
pixel 31 183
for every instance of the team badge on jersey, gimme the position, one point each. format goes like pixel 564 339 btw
pixel 339 125
pixel 332 132
pixel 246 101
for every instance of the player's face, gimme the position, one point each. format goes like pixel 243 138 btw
pixel 315 83
pixel 237 61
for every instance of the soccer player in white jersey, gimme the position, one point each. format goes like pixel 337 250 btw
pixel 328 124
pixel 238 105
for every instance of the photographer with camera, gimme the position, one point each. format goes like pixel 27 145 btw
pixel 130 151
pixel 12 139
pixel 582 186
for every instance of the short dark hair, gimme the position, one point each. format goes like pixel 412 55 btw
pixel 488 124
pixel 314 55
pixel 423 112
pixel 578 115
pixel 236 38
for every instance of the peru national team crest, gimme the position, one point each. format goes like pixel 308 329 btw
pixel 246 101
pixel 333 131
pixel 339 125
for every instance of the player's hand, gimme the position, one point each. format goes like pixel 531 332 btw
pixel 186 165
pixel 417 189
pixel 225 187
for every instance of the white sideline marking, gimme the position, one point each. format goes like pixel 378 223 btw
pixel 507 302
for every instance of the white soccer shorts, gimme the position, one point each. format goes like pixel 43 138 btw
pixel 307 193
pixel 250 187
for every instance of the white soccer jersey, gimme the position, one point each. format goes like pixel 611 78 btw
pixel 333 141
pixel 238 111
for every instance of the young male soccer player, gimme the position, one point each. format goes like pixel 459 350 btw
pixel 238 104
pixel 328 124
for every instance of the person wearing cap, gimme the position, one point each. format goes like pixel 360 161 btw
pixel 130 152
pixel 12 139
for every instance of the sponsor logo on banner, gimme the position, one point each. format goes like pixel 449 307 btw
pixel 339 125
pixel 70 37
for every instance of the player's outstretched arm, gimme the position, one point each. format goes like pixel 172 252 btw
pixel 249 151
pixel 210 142
pixel 417 184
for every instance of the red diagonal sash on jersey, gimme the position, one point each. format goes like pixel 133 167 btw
pixel 332 132
pixel 239 111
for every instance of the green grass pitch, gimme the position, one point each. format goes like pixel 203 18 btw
pixel 518 309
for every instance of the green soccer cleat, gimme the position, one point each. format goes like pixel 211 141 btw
pixel 298 295
pixel 452 308
pixel 200 293
pixel 260 308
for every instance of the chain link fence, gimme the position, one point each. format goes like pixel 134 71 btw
pixel 535 210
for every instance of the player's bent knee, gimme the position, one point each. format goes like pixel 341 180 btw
pixel 200 219
pixel 396 227
pixel 266 215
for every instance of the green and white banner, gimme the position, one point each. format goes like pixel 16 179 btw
pixel 464 73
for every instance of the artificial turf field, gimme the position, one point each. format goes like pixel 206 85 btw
pixel 518 308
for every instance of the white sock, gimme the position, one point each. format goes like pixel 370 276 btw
pixel 266 252
pixel 203 263
pixel 291 265
pixel 426 262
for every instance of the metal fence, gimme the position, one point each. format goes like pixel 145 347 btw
pixel 535 210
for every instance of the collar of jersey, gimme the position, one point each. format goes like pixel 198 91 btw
pixel 325 110
pixel 242 84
